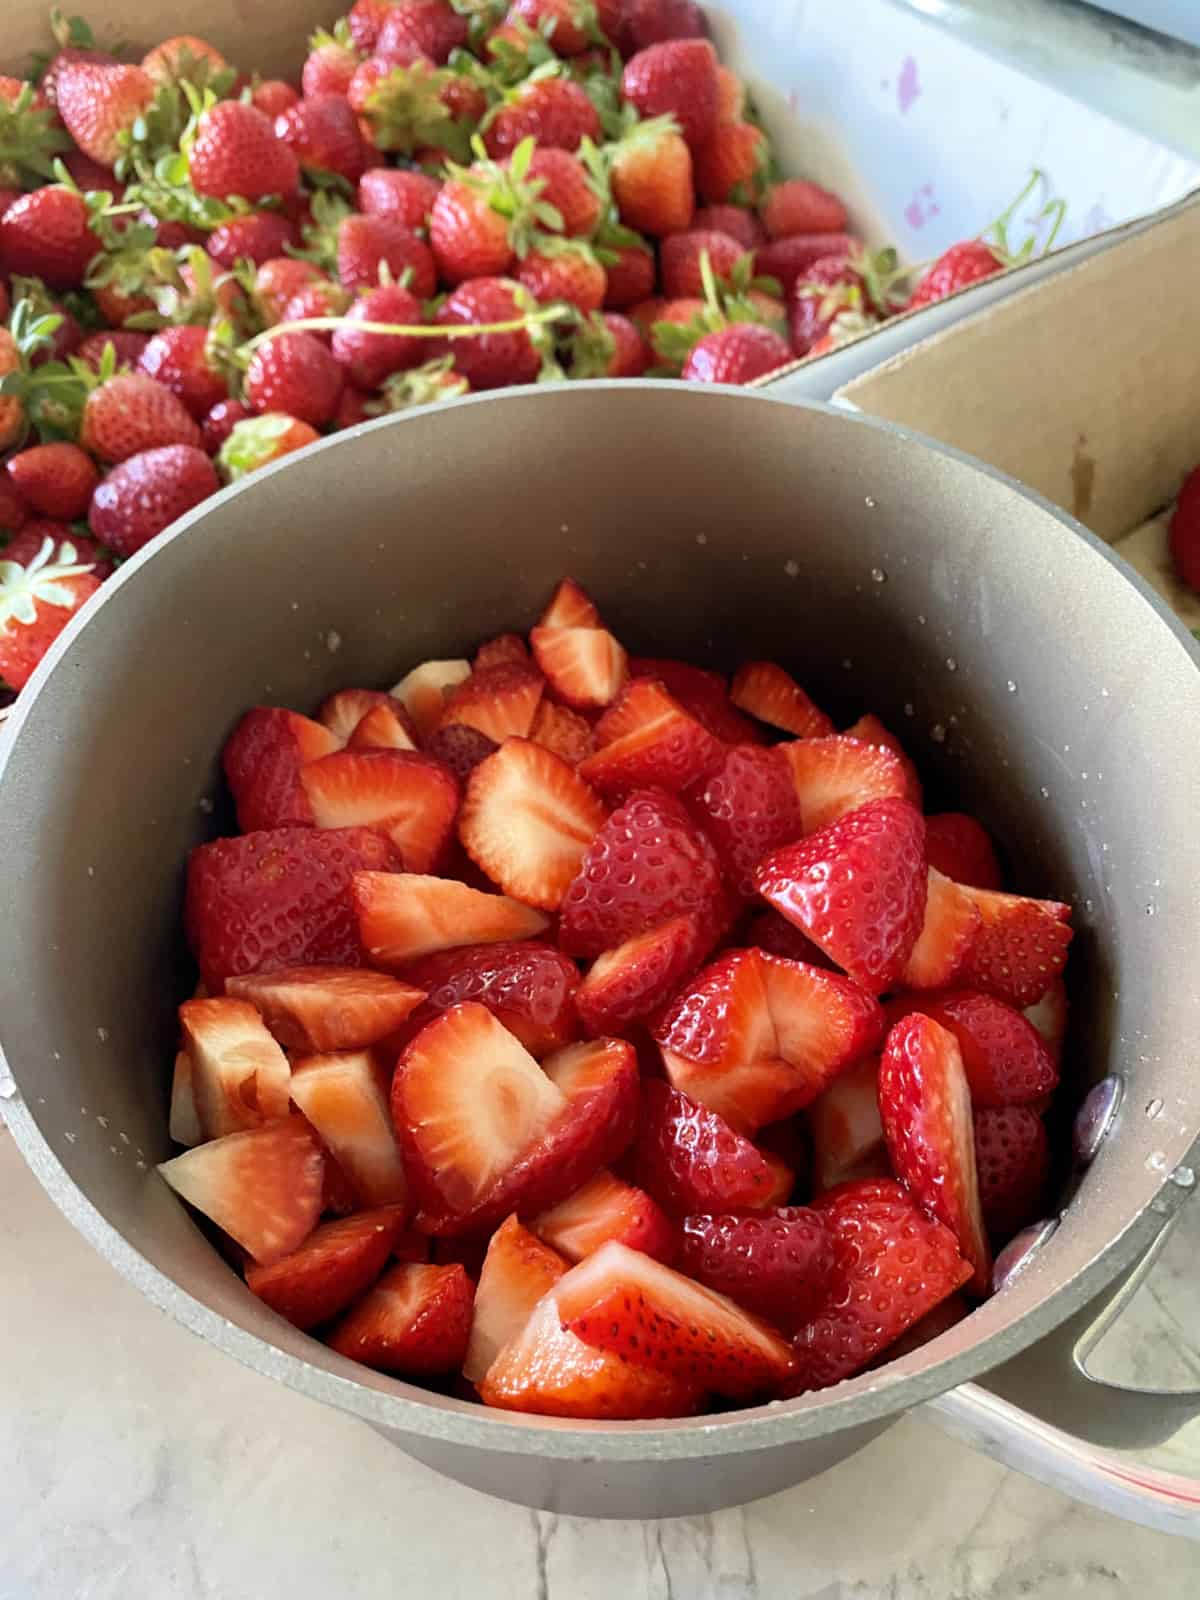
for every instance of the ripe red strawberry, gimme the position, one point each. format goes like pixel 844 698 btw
pixel 731 164
pixel 1006 1060
pixel 748 808
pixel 385 727
pixel 24 546
pixel 677 78
pixel 323 132
pixel 327 1008
pixel 527 820
pixel 964 264
pixel 403 916
pixel 99 102
pixel 1184 535
pixel 737 222
pixel 55 480
pixel 836 775
pixel 621 1300
pixel 279 898
pixel 415 1322
pixel 630 278
pixel 570 607
pixel 680 256
pixel 690 1160
pixel 585 667
pixel 177 358
pixel 272 96
pixel 470 238
pixel 845 1125
pixel 565 732
pixel 651 176
pixel 857 888
pixel 1021 947
pixel 13 509
pixel 769 931
pixel 429 27
pixel 490 360
pixel 262 761
pixel 554 111
pixel 459 747
pixel 777 1264
pixel 517 1271
pixel 925 1105
pixel 960 848
pixel 653 21
pixel 364 20
pixel 773 696
pixel 798 206
pixel 256 237
pixel 566 270
pixel 720 1019
pixel 405 196
pixel 567 187
pixel 647 864
pixel 608 345
pixel 183 56
pixel 48 235
pixel 328 67
pixel 144 495
pixel 254 441
pixel 132 412
pixel 563 22
pixel 320 298
pixel 791 259
pixel 409 797
pixel 342 712
pixel 262 1187
pixel 627 984
pixel 1012 1155
pixel 37 600
pixel 369 358
pixel 702 694
pixel 296 374
pixel 235 151
pixel 504 649
pixel 822 298
pixel 344 1096
pixel 529 987
pixel 738 354
pixel 947 934
pixel 891 1266
pixel 607 1208
pixel 500 702
pixel 335 1264
pixel 648 738
pixel 127 346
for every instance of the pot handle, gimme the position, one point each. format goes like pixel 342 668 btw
pixel 1132 1452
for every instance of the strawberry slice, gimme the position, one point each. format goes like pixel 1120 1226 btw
pixel 774 697
pixel 327 1008
pixel 925 1105
pixel 517 1271
pixel 961 848
pixel 529 987
pixel 1012 1155
pixel 837 775
pixel 345 1098
pixel 1049 1017
pixel 384 727
pixel 263 757
pixel 409 797
pixel 891 1266
pixel 262 1187
pixel 504 648
pixel 1006 1060
pixel 702 694
pixel 776 1264
pixel 239 1076
pixel 499 702
pixel 344 711
pixel 404 915
pixel 689 1159
pixel 822 1021
pixel 570 607
pixel 721 1018
pixel 334 1265
pixel 1021 947
pixel 647 738
pixel 626 984
pixel 608 1208
pixel 620 1300
pixel 548 1371
pixel 748 807
pixel 951 925
pixel 871 731
pixel 564 731
pixel 527 820
pixel 647 864
pixel 585 667
pixel 856 888
pixel 184 1120
pixel 424 690
pixel 415 1322
pixel 845 1125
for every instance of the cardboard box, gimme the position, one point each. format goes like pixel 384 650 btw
pixel 1085 386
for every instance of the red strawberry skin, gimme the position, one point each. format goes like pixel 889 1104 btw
pixel 235 151
pixel 262 760
pixel 48 235
pixel 961 848
pixel 527 986
pixel 55 480
pixel 1012 1155
pixel 367 244
pixel 176 358
pixel 324 133
pixel 415 1322
pixel 748 808
pixel 1184 536
pixel 142 496
pixel 296 374
pixel 132 412
pixel 776 1264
pixel 702 694
pixel 678 77
pixel 331 1268
pixel 1006 1060
pixel 490 360
pixel 369 358
pixel 739 354
pixel 690 1160
pixel 628 985
pixel 957 268
pixel 279 898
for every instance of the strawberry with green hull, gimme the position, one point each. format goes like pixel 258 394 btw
pixel 1184 536
pixel 37 600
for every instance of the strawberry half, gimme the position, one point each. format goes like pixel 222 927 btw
pixel 625 1302
pixel 626 984
pixel 415 1322
pixel 1006 1060
pixel 342 712
pixel 345 1098
pixel 240 1077
pixel 857 888
pixel 608 1208
pixel 327 1008
pixel 564 731
pixel 570 607
pixel 529 987
pixel 961 848
pixel 721 1018
pixel 951 925
pixel 891 1266
pixel 837 775
pixel 500 701
pixel 689 1159
pixel 404 915
pixel 845 1125
pixel 647 738
pixel 409 797
pixel 386 728
pixel 774 697
pixel 925 1105
pixel 503 649
pixel 1021 947
pixel 776 1264
pixel 517 1271
pixel 748 808
pixel 262 759
pixel 334 1265
pixel 423 692
pixel 262 1187
pixel 1012 1155
pixel 527 821
pixel 585 667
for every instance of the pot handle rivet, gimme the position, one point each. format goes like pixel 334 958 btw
pixel 1095 1117
pixel 1020 1250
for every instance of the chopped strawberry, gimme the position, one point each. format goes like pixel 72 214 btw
pixel 721 1018
pixel 1006 1060
pixel 648 738
pixel 564 731
pixel 386 728
pixel 585 667
pixel 459 747
pixel 263 1187
pixel 342 712
pixel 503 650
pixel 529 987
pixel 411 798
pixel 947 934
pixel 345 1098
pixel 240 1077
pixel 776 1264
pixel 621 1300
pixel 424 690
pixel 517 1271
pixel 608 1208
pixel 689 1159
pixel 871 731
pixel 748 808
pixel 845 1124
pixel 891 1266
pixel 499 701
pixel 1021 947
pixel 1012 1155
pixel 925 1104
pixel 570 607
pixel 1049 1017
pixel 857 888
pixel 184 1120
pixel 262 761
pixel 836 775
pixel 626 984
pixel 822 1021
pixel 415 1322
pixel 702 694
pixel 527 820
pixel 327 1008
pixel 404 915
pixel 334 1265
pixel 773 696
pixel 961 848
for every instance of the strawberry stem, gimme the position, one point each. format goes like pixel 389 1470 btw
pixel 421 330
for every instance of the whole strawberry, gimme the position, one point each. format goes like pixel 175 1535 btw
pixel 395 192
pixel 731 164
pixel 256 237
pixel 30 543
pixel 652 178
pixel 146 493
pixel 235 151
pixel 470 238
pixel 277 280
pixel 221 421
pixel 653 21
pixel 36 603
pixel 679 79
pixel 55 480
pixel 421 27
pixel 324 133
pixel 957 268
pixel 630 277
pixel 368 358
pixel 294 373
pixel 126 345
pixel 366 244
pixel 566 270
pixel 797 206
pixel 100 103
pixel 1185 531
pixel 567 187
pixel 328 67
pixel 48 235
pixel 253 441
pixel 680 261
pixel 490 360
pixel 272 96
pixel 608 345
pixel 554 111
pixel 177 357
pixel 132 412
pixel 738 354
pixel 737 221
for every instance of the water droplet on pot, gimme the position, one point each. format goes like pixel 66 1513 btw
pixel 1044 792
pixel 102 1122
pixel 205 804
pixel 909 709
pixel 920 619
pixel 878 575
pixel 951 664
pixel 1154 1108
pixel 333 641
pixel 847 663
pixel 1011 686
pixel 701 538
pixel 102 1035
pixel 938 733
pixel 91 872
pixel 1156 1162
pixel 869 501
pixel 69 1137
pixel 792 568
pixel 1183 1178
pixel 1104 694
